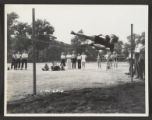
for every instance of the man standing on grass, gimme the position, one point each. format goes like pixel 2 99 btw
pixel 83 61
pixel 24 59
pixel 99 60
pixel 137 52
pixel 115 59
pixel 63 59
pixel 141 60
pixel 79 60
pixel 13 63
pixel 74 59
pixel 18 60
pixel 68 57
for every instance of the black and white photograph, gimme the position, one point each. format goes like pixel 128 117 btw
pixel 76 60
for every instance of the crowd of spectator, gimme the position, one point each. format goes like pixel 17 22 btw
pixel 19 60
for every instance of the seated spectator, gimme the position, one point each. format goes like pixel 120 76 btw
pixel 46 68
pixel 56 67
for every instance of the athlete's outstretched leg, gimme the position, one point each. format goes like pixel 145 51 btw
pixel 84 36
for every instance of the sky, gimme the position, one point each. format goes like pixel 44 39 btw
pixel 92 19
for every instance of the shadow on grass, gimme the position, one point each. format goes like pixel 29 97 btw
pixel 126 98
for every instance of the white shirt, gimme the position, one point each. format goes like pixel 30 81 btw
pixel 83 58
pixel 13 56
pixel 73 56
pixel 18 56
pixel 24 55
pixel 79 57
pixel 138 47
pixel 68 56
pixel 63 56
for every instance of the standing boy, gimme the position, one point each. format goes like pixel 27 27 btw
pixel 63 58
pixel 79 61
pixel 68 57
pixel 74 59
pixel 13 64
pixel 24 59
pixel 83 56
pixel 99 60
pixel 18 60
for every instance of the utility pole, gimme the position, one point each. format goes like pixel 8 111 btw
pixel 34 51
pixel 132 52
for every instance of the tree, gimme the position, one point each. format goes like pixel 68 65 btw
pixel 118 47
pixel 43 31
pixel 21 39
pixel 11 22
pixel 126 49
pixel 76 43
pixel 136 39
pixel 79 48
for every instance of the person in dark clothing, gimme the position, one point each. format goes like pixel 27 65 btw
pixel 79 61
pixel 63 59
pixel 74 59
pixel 99 41
pixel 13 63
pixel 141 61
pixel 46 67
pixel 56 67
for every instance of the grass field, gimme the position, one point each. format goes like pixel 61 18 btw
pixel 87 90
pixel 126 98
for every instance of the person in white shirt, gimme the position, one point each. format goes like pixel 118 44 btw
pixel 115 59
pixel 99 60
pixel 68 57
pixel 141 61
pixel 63 59
pixel 18 60
pixel 109 59
pixel 79 60
pixel 83 61
pixel 24 59
pixel 137 51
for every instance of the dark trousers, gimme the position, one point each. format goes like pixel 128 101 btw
pixel 24 61
pixel 137 64
pixel 141 63
pixel 18 62
pixel 63 62
pixel 74 63
pixel 13 64
pixel 55 68
pixel 79 64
